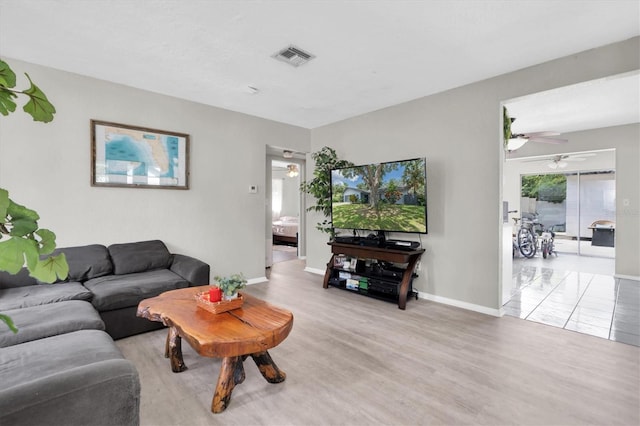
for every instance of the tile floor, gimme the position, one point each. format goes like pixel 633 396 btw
pixel 591 301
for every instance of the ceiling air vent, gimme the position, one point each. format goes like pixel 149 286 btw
pixel 293 56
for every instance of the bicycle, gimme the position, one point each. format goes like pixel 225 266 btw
pixel 527 237
pixel 546 242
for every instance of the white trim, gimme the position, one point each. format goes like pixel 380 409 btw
pixel 257 280
pixel 315 270
pixel 439 299
pixel 461 304
pixel 627 277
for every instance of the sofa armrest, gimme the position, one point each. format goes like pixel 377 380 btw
pixel 191 269
pixel 103 393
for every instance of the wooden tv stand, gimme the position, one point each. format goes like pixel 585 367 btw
pixel 409 257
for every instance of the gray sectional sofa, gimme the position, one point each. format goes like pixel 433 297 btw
pixel 63 367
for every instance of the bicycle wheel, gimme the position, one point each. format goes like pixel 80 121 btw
pixel 527 243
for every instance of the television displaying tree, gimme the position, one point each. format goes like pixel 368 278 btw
pixel 413 177
pixel 372 176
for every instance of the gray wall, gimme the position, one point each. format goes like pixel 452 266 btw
pixel 459 132
pixel 47 167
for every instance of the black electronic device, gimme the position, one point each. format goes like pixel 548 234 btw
pixel 385 287
pixel 369 242
pixel 346 240
pixel 402 244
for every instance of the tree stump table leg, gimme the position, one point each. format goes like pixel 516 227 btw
pixel 231 374
pixel 173 348
pixel 268 368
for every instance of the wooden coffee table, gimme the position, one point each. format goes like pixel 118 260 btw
pixel 233 335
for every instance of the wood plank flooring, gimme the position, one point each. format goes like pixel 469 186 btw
pixel 352 360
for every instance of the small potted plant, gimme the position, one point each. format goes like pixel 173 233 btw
pixel 230 285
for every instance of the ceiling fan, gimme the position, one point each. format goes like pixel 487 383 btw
pixel 517 140
pixel 561 161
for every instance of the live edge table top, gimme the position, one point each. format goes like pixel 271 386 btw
pixel 255 327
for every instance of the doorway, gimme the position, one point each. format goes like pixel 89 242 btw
pixel 285 221
pixel 578 289
pixel 578 207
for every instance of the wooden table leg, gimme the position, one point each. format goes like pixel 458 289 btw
pixel 173 349
pixel 231 374
pixel 268 368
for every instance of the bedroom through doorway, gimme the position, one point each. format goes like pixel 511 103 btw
pixel 286 206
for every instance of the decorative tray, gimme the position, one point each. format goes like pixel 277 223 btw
pixel 202 299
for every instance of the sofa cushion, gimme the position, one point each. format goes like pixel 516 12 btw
pixel 141 256
pixel 123 291
pixel 37 322
pixel 86 262
pixel 21 279
pixel 40 294
pixel 78 378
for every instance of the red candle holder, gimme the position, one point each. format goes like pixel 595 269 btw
pixel 215 294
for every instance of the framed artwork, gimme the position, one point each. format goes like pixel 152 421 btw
pixel 137 157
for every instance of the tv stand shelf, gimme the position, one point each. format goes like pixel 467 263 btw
pixel 403 279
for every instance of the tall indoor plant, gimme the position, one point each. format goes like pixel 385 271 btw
pixel 320 186
pixel 22 241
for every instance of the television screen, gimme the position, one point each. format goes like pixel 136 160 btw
pixel 389 197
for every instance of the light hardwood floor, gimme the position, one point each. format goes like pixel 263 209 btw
pixel 352 360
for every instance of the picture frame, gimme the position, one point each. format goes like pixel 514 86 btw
pixel 138 157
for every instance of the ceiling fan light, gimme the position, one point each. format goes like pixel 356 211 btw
pixel 516 143
pixel 292 170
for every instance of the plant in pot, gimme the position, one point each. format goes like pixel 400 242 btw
pixel 22 241
pixel 230 285
pixel 320 186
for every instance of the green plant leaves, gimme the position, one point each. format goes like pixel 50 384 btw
pixel 27 244
pixel 12 254
pixel 51 268
pixel 506 124
pixel 9 323
pixel 47 241
pixel 24 221
pixel 17 251
pixel 7 76
pixel 320 186
pixel 4 205
pixel 7 105
pixel 38 106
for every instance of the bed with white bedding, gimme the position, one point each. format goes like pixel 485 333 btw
pixel 285 230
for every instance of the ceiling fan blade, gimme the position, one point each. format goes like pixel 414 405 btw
pixel 548 140
pixel 537 159
pixel 541 134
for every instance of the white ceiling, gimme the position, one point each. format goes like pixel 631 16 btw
pixel 369 54
pixel 605 102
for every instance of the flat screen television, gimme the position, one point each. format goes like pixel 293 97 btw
pixel 383 197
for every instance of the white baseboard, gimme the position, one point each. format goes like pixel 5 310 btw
pixel 627 277
pixel 439 299
pixel 257 280
pixel 461 304
pixel 315 270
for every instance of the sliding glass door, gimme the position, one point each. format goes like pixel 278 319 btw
pixel 578 206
